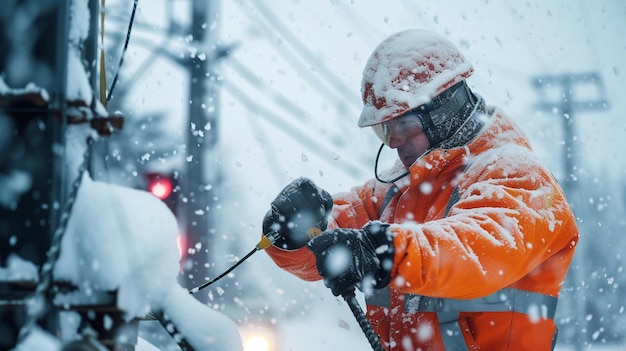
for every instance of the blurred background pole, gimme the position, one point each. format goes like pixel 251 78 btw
pixel 200 186
pixel 566 103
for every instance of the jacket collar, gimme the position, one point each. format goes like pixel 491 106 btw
pixel 498 130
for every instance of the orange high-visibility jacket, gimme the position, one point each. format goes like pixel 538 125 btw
pixel 483 240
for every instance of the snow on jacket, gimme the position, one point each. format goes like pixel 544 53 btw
pixel 483 240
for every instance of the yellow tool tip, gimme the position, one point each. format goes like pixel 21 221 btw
pixel 313 232
pixel 264 243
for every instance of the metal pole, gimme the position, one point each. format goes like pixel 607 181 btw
pixel 567 106
pixel 202 176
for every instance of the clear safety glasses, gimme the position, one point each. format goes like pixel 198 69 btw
pixel 406 125
pixel 444 105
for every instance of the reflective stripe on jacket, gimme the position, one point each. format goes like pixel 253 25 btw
pixel 451 315
pixel 509 234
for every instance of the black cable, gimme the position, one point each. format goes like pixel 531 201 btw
pixel 349 296
pixel 376 169
pixel 204 285
pixel 121 62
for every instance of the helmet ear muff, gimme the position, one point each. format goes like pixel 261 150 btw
pixel 444 108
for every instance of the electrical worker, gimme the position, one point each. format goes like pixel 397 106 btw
pixel 465 243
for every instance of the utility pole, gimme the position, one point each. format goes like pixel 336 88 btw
pixel 200 188
pixel 566 103
pixel 199 179
pixel 33 51
pixel 36 45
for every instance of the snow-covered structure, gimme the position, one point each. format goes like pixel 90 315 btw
pixel 113 259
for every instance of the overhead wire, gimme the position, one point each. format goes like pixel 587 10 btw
pixel 268 148
pixel 280 100
pixel 345 104
pixel 343 107
pixel 305 53
pixel 368 32
pixel 335 136
pixel 310 142
pixel 125 48
pixel 292 108
pixel 594 48
pixel 328 77
pixel 258 83
pixel 146 64
pixel 315 81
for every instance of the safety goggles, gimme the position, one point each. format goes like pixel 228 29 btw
pixel 433 113
pixel 408 124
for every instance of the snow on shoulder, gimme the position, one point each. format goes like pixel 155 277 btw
pixel 122 239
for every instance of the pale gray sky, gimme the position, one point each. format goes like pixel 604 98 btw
pixel 508 42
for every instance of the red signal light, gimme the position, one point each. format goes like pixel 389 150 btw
pixel 161 188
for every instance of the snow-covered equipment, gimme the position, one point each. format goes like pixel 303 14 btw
pixel 77 261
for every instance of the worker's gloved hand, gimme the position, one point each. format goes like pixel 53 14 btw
pixel 300 211
pixel 346 258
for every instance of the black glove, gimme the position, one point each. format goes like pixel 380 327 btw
pixel 346 258
pixel 300 206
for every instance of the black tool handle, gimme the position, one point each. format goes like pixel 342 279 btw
pixel 362 320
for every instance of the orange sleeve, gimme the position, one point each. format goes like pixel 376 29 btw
pixel 300 263
pixel 355 208
pixel 511 218
pixel 350 210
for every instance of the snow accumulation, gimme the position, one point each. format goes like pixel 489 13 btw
pixel 122 239
pixel 385 77
pixel 119 240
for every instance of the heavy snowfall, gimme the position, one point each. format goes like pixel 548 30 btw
pixel 281 97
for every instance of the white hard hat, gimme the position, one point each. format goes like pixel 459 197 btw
pixel 407 70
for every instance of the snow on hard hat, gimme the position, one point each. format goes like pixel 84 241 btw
pixel 405 71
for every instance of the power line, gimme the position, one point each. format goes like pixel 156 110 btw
pixel 340 98
pixel 303 138
pixel 284 32
pixel 305 53
pixel 280 99
pixel 258 83
pixel 145 66
pixel 269 150
pixel 368 32
pixel 123 54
